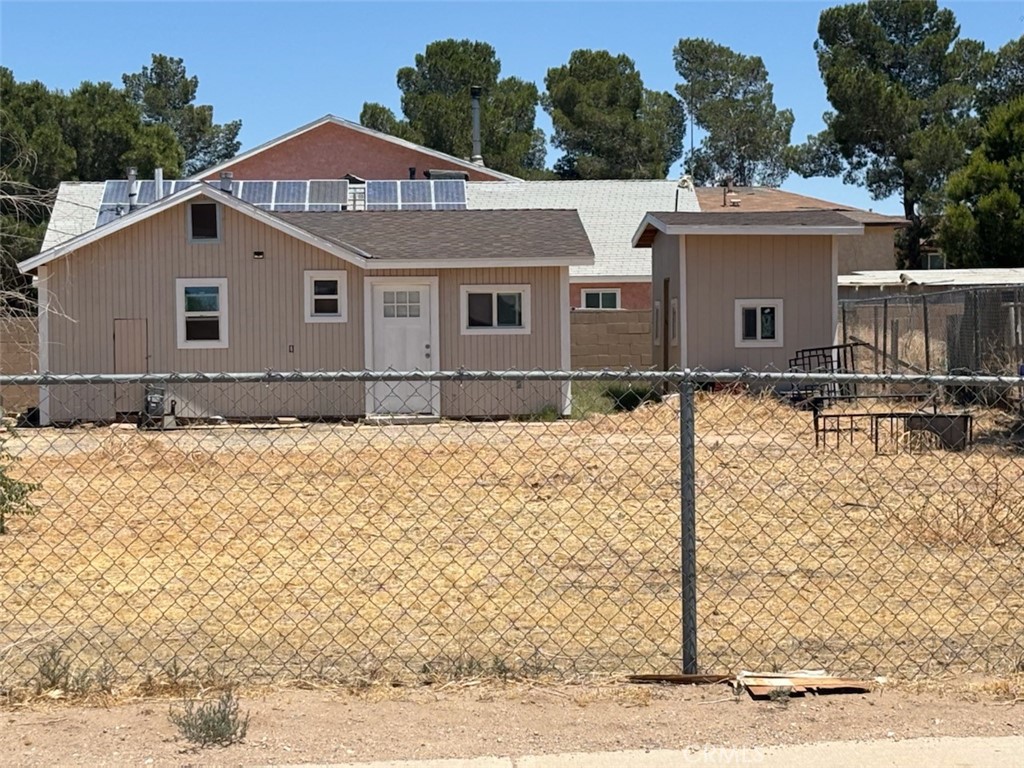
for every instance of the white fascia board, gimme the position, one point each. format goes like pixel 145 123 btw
pixel 779 229
pixel 610 279
pixel 349 254
pixel 375 264
pixel 648 221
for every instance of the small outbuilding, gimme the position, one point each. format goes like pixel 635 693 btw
pixel 743 290
pixel 201 280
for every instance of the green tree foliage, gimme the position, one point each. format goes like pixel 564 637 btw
pixel 14 494
pixel 903 86
pixel 728 95
pixel 92 133
pixel 164 93
pixel 437 108
pixel 1003 79
pixel 983 224
pixel 608 125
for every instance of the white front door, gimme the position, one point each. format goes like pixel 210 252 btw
pixel 401 318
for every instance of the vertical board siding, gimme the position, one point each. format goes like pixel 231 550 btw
pixel 665 254
pixel 132 273
pixel 796 269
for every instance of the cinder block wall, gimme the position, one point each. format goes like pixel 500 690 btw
pixel 19 345
pixel 613 338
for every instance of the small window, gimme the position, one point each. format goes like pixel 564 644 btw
pixel 605 298
pixel 759 323
pixel 402 304
pixel 203 222
pixel 326 296
pixel 495 309
pixel 202 313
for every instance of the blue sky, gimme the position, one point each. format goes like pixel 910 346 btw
pixel 277 65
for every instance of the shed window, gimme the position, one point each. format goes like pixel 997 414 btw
pixel 203 222
pixel 759 322
pixel 326 296
pixel 202 313
pixel 495 309
pixel 605 298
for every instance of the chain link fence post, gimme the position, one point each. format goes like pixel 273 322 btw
pixel 688 526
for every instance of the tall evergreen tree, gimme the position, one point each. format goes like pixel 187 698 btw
pixel 902 86
pixel 165 94
pixel 728 95
pixel 608 125
pixel 437 109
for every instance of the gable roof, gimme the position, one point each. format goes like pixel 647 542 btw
pixel 401 238
pixel 745 223
pixel 348 124
pixel 609 210
pixel 455 238
pixel 765 199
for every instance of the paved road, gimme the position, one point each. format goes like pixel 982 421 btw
pixel 1000 752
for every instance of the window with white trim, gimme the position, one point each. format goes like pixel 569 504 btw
pixel 495 309
pixel 600 298
pixel 202 309
pixel 759 323
pixel 204 223
pixel 326 296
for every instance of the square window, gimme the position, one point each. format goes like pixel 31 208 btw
pixel 510 310
pixel 609 300
pixel 326 296
pixel 592 300
pixel 480 311
pixel 759 323
pixel 203 222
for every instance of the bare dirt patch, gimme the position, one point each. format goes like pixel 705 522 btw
pixel 334 552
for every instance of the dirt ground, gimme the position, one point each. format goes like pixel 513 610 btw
pixel 328 552
pixel 478 719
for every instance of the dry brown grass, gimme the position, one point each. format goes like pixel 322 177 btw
pixel 351 554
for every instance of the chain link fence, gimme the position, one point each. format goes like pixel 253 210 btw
pixel 979 330
pixel 564 523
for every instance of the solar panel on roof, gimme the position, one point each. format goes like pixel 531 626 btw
pixel 115 192
pixel 257 192
pixel 382 195
pixel 290 193
pixel 328 191
pixel 107 214
pixel 325 207
pixel 147 193
pixel 182 184
pixel 449 194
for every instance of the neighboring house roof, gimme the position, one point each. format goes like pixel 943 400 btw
pixel 487 238
pixel 342 122
pixel 74 211
pixel 765 199
pixel 527 237
pixel 815 222
pixel 609 210
pixel 938 277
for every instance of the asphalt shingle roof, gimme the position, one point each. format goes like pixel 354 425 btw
pixel 764 199
pixel 448 235
pixel 734 218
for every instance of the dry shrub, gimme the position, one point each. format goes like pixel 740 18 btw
pixel 994 519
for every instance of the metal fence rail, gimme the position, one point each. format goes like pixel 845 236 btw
pixel 548 522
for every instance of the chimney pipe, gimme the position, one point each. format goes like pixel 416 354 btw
pixel 133 188
pixel 225 181
pixel 158 177
pixel 412 172
pixel 474 94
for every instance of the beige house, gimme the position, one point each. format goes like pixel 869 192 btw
pixel 202 281
pixel 743 290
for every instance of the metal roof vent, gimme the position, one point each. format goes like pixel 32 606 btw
pixel 226 177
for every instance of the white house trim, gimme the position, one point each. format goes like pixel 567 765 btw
pixel 835 289
pixel 684 342
pixel 496 330
pixel 742 229
pixel 223 321
pixel 309 277
pixel 369 281
pixel 565 340
pixel 335 120
pixel 44 343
